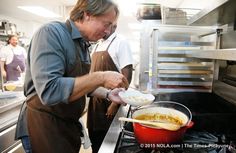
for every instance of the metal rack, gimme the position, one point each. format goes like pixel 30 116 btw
pixel 171 66
pixel 220 54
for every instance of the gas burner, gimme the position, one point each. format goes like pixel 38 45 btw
pixel 199 138
pixel 127 143
pixel 232 147
pixel 193 142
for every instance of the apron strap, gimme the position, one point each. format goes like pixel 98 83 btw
pixel 107 46
pixel 110 43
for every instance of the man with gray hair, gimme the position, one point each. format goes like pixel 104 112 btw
pixel 57 78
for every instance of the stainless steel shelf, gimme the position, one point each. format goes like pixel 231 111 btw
pixel 209 76
pixel 189 74
pixel 184 43
pixel 219 12
pixel 185 72
pixel 184 66
pixel 220 54
pixel 184 83
pixel 181 29
pixel 169 63
pixel 174 90
pixel 181 59
pixel 179 48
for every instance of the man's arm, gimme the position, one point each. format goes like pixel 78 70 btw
pixel 4 74
pixel 92 81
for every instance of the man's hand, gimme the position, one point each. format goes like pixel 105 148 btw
pixel 114 80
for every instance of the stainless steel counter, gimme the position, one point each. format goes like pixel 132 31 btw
pixel 9 109
pixel 10 104
pixel 109 143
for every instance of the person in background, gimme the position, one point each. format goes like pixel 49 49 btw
pixel 57 78
pixel 113 53
pixel 12 59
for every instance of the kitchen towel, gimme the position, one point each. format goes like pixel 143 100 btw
pixel 85 139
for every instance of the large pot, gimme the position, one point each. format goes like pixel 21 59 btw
pixel 153 135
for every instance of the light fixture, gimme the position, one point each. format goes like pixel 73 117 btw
pixel 40 11
pixel 127 7
pixel 135 26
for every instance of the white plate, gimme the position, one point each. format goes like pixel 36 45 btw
pixel 136 98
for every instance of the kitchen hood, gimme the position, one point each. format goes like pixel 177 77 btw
pixel 219 13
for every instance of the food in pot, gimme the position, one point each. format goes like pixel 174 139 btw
pixel 162 114
pixel 168 111
pixel 160 118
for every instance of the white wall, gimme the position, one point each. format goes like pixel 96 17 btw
pixel 27 27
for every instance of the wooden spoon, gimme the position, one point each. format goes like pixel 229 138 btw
pixel 163 125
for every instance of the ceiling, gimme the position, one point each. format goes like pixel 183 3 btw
pixel 9 8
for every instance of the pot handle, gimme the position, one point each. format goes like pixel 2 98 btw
pixel 190 124
pixel 132 110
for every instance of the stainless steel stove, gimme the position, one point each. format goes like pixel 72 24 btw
pixel 214 130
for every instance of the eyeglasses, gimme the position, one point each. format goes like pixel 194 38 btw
pixel 106 24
